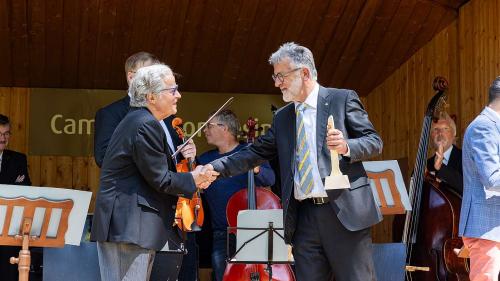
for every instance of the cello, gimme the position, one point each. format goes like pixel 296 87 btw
pixel 253 198
pixel 431 228
pixel 189 214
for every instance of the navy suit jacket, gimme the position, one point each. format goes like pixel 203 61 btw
pixel 451 173
pixel 355 207
pixel 106 121
pixel 14 165
pixel 139 187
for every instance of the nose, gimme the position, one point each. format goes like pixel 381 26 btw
pixel 277 83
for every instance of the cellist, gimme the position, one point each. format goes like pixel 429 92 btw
pixel 222 132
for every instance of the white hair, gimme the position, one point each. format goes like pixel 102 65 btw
pixel 299 56
pixel 148 80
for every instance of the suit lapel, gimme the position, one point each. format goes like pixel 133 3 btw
pixel 321 118
pixel 293 129
pixel 5 163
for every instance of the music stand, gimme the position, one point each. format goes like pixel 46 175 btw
pixel 389 191
pixel 259 239
pixel 40 217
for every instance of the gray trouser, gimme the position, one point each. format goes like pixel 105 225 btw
pixel 124 262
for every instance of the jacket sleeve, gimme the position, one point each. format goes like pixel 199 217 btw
pixel 24 171
pixel 485 150
pixel 451 176
pixel 364 142
pixel 265 177
pixel 263 149
pixel 104 126
pixel 149 154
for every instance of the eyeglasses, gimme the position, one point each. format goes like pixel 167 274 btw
pixel 281 76
pixel 211 125
pixel 172 90
pixel 443 129
pixel 5 135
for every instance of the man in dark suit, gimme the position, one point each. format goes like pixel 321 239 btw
pixel 329 229
pixel 14 170
pixel 106 121
pixel 139 187
pixel 446 163
pixel 13 165
pixel 108 117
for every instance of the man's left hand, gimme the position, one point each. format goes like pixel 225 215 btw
pixel 189 151
pixel 335 141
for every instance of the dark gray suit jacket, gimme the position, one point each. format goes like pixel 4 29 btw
pixel 138 186
pixel 355 207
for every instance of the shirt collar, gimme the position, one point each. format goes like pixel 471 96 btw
pixel 447 153
pixel 312 99
pixel 493 112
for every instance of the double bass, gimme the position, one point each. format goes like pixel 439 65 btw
pixel 189 214
pixel 253 198
pixel 431 228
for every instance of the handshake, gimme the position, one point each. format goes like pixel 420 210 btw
pixel 204 175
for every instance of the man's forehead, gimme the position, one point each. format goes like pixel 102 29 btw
pixel 441 123
pixel 4 128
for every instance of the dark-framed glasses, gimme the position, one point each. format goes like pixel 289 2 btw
pixel 172 90
pixel 212 125
pixel 5 135
pixel 280 76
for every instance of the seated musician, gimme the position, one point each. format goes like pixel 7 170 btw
pixel 222 132
pixel 446 163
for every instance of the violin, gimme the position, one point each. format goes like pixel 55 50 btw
pixel 189 214
pixel 253 198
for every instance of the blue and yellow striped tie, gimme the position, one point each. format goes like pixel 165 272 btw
pixel 304 166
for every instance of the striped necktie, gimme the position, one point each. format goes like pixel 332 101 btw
pixel 304 165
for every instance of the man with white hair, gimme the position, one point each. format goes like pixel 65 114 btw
pixel 139 187
pixel 446 163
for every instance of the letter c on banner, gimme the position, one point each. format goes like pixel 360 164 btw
pixel 53 124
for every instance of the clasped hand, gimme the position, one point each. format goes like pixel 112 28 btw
pixel 335 141
pixel 203 177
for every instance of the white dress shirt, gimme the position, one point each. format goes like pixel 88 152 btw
pixel 169 138
pixel 309 116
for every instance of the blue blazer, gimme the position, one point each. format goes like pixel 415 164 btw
pixel 480 215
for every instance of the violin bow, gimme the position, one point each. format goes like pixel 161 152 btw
pixel 226 104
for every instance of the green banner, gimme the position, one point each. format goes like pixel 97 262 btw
pixel 62 120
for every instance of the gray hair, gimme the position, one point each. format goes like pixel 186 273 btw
pixel 446 117
pixel 148 80
pixel 299 56
pixel 228 118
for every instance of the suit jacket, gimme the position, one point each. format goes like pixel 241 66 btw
pixel 480 215
pixel 106 121
pixel 355 207
pixel 138 186
pixel 14 165
pixel 450 173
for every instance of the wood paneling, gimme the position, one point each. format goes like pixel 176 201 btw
pixel 218 45
pixel 466 53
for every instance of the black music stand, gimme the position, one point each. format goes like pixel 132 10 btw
pixel 259 240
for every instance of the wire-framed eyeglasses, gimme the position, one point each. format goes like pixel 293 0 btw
pixel 172 90
pixel 280 76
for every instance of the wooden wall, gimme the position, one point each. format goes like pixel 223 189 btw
pixel 57 171
pixel 466 53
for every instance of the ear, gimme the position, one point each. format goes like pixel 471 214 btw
pixel 130 76
pixel 306 74
pixel 151 98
